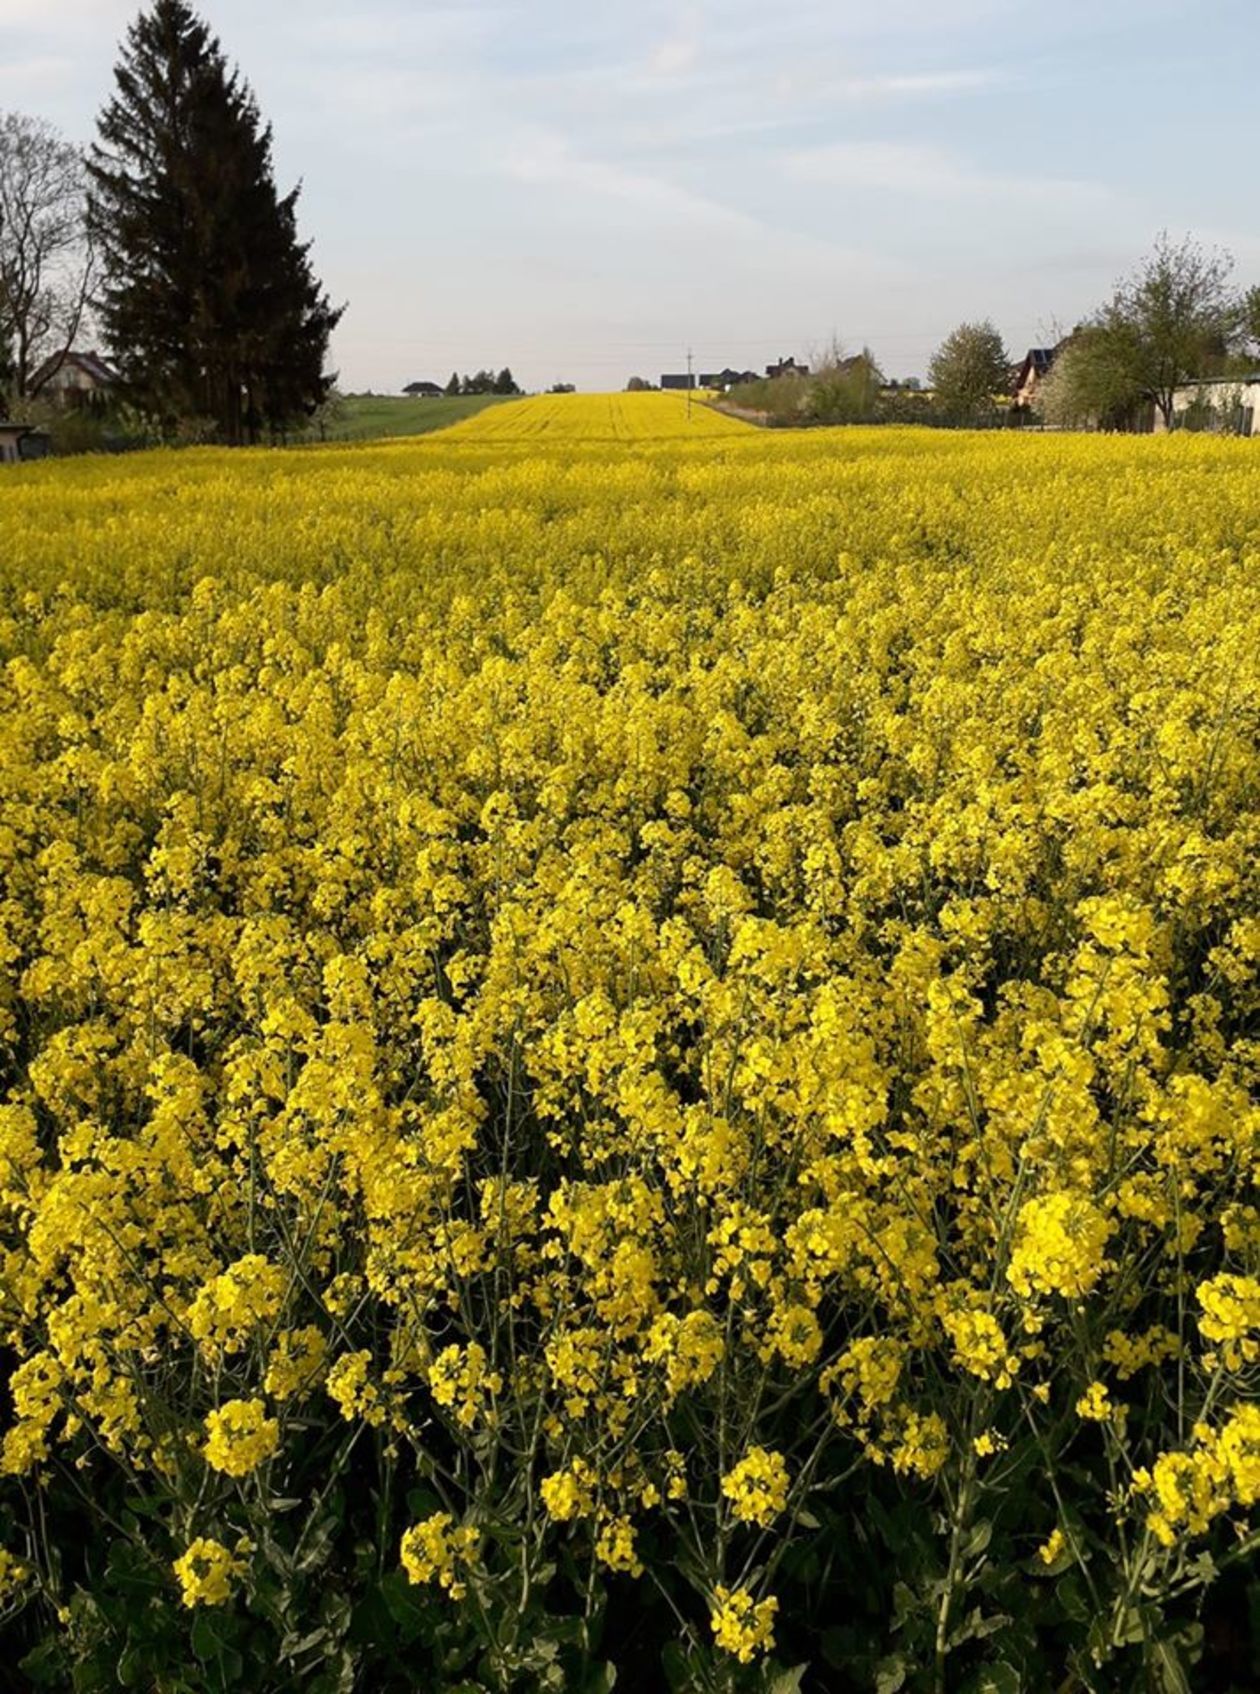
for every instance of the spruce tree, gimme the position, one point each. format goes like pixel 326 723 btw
pixel 210 305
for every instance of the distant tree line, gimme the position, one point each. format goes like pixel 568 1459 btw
pixel 484 382
pixel 1173 320
pixel 172 236
pixel 840 388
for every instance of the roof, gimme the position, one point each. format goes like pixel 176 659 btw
pixel 1036 362
pixel 1242 381
pixel 728 376
pixel 90 363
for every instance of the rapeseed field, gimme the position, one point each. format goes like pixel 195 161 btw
pixel 630 1050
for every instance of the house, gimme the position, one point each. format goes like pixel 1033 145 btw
pixel 424 390
pixel 21 442
pixel 786 367
pixel 1218 405
pixel 679 379
pixel 1027 377
pixel 728 378
pixel 75 379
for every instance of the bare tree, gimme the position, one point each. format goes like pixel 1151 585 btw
pixel 45 251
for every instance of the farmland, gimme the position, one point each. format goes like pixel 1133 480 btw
pixel 375 417
pixel 630 1049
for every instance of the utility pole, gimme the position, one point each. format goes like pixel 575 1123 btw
pixel 689 385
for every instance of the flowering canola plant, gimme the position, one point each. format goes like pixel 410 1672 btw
pixel 622 1000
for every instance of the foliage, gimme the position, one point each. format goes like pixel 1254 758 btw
pixel 1091 384
pixel 630 1053
pixel 483 382
pixel 1249 324
pixel 103 427
pixel 1171 319
pixel 845 390
pixel 209 301
pixel 45 256
pixel 969 371
pixel 781 400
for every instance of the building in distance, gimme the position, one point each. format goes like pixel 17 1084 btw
pixel 20 442
pixel 786 367
pixel 75 379
pixel 1028 376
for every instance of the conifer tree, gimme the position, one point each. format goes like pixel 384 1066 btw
pixel 210 305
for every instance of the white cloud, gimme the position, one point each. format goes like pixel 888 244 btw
pixel 24 79
pixel 917 84
pixel 678 54
pixel 925 171
pixel 55 18
pixel 674 57
pixel 541 156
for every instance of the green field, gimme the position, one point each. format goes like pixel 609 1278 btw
pixel 371 417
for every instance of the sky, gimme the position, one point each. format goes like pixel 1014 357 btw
pixel 586 189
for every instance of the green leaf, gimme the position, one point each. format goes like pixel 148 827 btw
pixel 211 1639
pixel 1071 1596
pixel 45 1666
pixel 905 1603
pixel 682 1672
pixel 1000 1678
pixel 207 1642
pixel 978 1539
pixel 975 1626
pixel 292 1647
pixel 1064 1559
pixel 1203 1569
pixel 336 1677
pixel 131 1668
pixel 317 1544
pixel 1129 1627
pixel 890 1675
pixel 1170 1672
pixel 788 1681
pixel 422 1502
